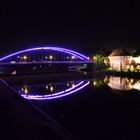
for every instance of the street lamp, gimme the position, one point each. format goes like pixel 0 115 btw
pixel 25 57
pixel 51 57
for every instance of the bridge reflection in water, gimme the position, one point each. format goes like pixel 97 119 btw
pixel 55 87
pixel 55 90
pixel 48 86
pixel 51 90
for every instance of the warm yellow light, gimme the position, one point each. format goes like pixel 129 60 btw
pixel 24 57
pixel 128 67
pixel 51 88
pixel 26 91
pixel 50 57
pixel 132 67
pixel 138 66
pixel 131 80
pixel 94 57
pixel 94 83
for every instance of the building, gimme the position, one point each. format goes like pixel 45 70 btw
pixel 119 59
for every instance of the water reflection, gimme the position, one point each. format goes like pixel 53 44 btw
pixel 121 83
pixel 97 82
pixel 55 90
pixel 51 90
pixel 44 88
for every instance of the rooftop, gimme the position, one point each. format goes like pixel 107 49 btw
pixel 120 52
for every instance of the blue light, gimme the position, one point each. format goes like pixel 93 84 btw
pixel 66 92
pixel 74 53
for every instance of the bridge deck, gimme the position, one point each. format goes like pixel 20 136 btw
pixel 48 62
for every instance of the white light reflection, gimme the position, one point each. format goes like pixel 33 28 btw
pixel 122 84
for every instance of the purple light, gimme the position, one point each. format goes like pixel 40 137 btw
pixel 79 55
pixel 59 94
pixel 70 91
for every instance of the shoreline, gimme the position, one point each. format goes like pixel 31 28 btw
pixel 119 73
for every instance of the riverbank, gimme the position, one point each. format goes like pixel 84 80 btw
pixel 46 78
pixel 26 120
pixel 135 75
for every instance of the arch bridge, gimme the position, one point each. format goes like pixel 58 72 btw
pixel 43 59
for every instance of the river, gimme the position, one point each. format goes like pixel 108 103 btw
pixel 89 106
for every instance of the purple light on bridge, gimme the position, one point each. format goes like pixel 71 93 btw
pixel 66 92
pixel 68 51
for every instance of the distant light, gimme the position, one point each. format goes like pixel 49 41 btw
pixel 94 83
pixel 73 57
pixel 138 66
pixel 73 85
pixel 26 90
pixel 51 88
pixel 128 67
pixel 13 62
pixel 132 68
pixel 14 72
pixel 50 57
pixel 131 80
pixel 94 57
pixel 34 67
pixel 25 57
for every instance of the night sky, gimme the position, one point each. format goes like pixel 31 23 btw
pixel 82 26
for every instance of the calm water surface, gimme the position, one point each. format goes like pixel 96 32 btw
pixel 91 108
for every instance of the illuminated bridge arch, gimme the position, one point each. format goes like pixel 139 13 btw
pixel 42 51
pixel 80 85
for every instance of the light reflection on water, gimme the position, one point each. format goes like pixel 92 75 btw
pixel 93 104
pixel 122 84
pixel 53 90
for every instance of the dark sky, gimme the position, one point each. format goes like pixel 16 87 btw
pixel 81 26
